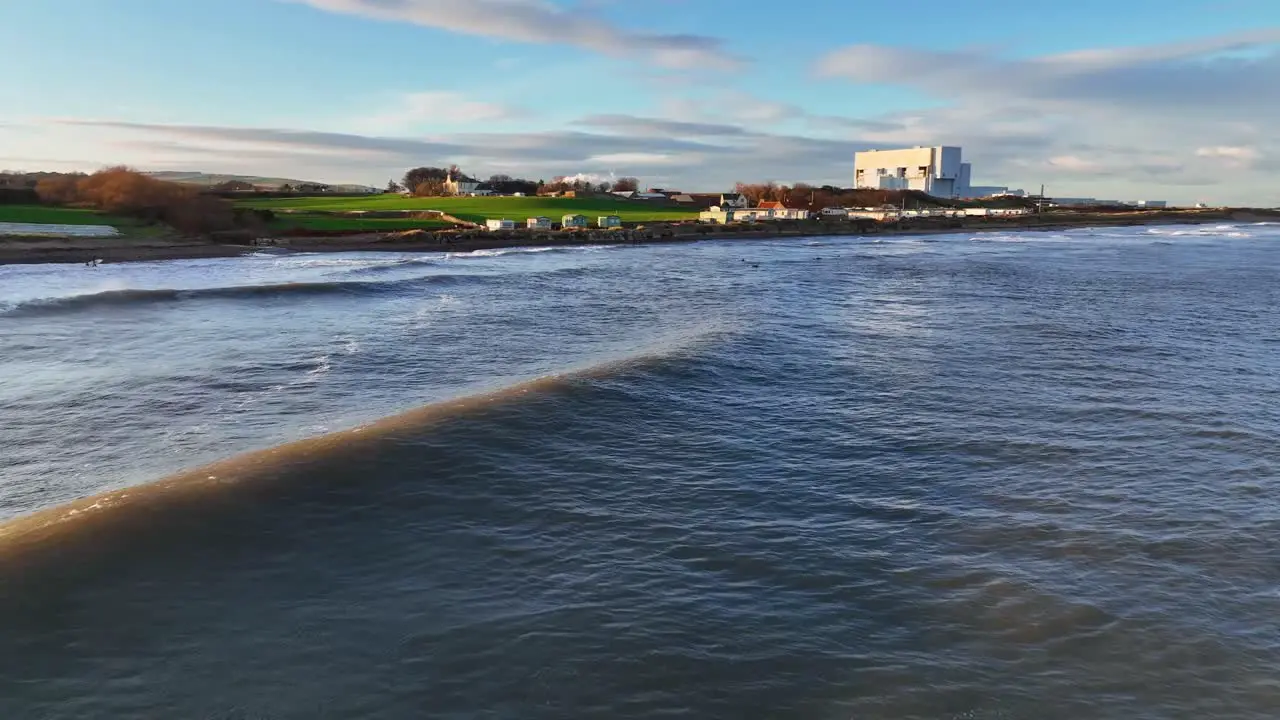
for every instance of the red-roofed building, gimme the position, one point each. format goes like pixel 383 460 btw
pixel 781 211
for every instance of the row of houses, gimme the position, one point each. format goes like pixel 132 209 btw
pixel 568 222
pixel 765 210
pixel 777 211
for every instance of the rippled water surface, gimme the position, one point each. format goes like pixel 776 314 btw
pixel 1002 476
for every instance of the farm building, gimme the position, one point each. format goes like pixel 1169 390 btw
pixel 609 221
pixel 538 223
pixel 574 221
pixel 504 224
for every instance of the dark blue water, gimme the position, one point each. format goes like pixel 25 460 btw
pixel 1006 476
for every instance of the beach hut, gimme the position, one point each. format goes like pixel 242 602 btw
pixel 574 221
pixel 538 223
pixel 496 225
pixel 609 221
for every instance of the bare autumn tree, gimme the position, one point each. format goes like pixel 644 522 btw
pixel 125 191
pixel 557 185
pixel 753 192
pixel 417 176
pixel 823 199
pixel 429 188
pixel 122 191
pixel 625 184
pixel 59 189
pixel 201 214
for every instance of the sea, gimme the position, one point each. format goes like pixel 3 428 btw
pixel 1006 475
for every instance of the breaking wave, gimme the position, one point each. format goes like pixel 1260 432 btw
pixel 84 526
pixel 499 252
pixel 151 296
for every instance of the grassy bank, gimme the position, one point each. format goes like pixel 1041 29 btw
pixel 46 215
pixel 479 209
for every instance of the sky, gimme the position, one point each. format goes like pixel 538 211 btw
pixel 1172 100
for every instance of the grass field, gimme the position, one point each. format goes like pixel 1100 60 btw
pixel 57 216
pixel 329 223
pixel 42 214
pixel 482 208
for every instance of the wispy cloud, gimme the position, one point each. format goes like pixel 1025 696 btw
pixel 1095 120
pixel 713 161
pixel 539 21
pixel 298 141
pixel 655 127
pixel 416 111
pixel 1204 75
pixel 1232 155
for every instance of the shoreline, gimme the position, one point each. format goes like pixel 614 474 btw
pixel 45 250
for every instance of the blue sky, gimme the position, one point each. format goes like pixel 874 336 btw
pixel 1125 99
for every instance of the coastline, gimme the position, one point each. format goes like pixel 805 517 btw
pixel 36 250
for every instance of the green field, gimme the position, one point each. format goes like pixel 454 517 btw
pixel 45 215
pixel 481 208
pixel 330 223
pixel 57 216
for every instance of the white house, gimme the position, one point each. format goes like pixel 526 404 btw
pixel 504 224
pixel 754 214
pixel 538 223
pixel 573 221
pixel 460 185
pixel 609 221
pixel 734 201
pixel 782 212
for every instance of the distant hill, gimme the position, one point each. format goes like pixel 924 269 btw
pixel 209 180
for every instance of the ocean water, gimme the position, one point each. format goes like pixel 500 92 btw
pixel 1025 475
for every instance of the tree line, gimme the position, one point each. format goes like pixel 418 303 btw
pixel 431 182
pixel 123 191
pixel 802 196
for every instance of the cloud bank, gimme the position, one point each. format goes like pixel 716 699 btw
pixel 535 21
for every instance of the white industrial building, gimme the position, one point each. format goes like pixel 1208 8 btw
pixel 939 171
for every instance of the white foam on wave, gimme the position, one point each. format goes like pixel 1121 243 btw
pixel 322 261
pixel 499 252
pixel 1228 231
pixel 322 365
